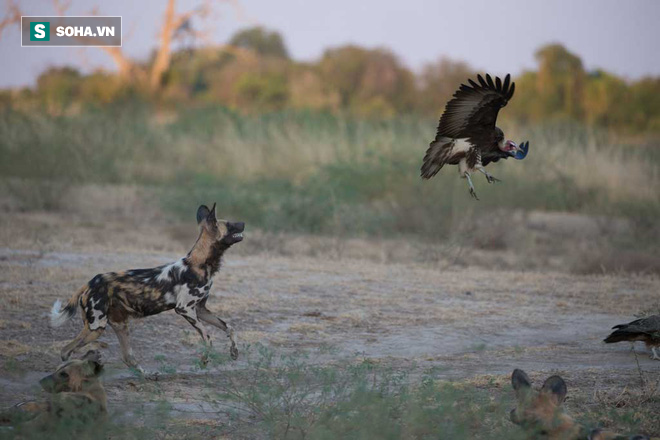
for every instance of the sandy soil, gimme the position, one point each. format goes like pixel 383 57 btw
pixel 469 322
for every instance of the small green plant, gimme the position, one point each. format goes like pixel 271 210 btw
pixel 163 366
pixel 13 367
pixel 290 396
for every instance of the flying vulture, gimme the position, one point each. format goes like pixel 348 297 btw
pixel 646 330
pixel 467 135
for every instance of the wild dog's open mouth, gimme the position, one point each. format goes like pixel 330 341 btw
pixel 234 232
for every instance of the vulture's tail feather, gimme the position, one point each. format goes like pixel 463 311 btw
pixel 436 156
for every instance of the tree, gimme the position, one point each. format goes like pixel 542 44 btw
pixel 606 100
pixel 439 81
pixel 58 88
pixel 262 91
pixel 525 106
pixel 261 41
pixel 645 104
pixel 369 82
pixel 560 82
pixel 309 91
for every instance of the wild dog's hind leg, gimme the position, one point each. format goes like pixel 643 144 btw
pixel 121 330
pixel 191 316
pixel 84 337
pixel 205 315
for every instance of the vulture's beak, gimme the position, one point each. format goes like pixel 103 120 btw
pixel 521 151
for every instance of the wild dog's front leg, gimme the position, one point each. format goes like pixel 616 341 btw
pixel 205 315
pixel 191 316
pixel 84 337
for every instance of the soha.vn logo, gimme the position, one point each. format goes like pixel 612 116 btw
pixel 39 31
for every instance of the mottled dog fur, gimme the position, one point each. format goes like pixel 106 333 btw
pixel 540 412
pixel 112 298
pixel 78 398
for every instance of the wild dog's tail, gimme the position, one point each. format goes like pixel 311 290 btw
pixel 58 315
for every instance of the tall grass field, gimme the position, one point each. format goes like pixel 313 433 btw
pixel 325 174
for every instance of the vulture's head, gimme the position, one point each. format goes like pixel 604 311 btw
pixel 510 148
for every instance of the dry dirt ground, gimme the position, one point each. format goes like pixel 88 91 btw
pixel 473 323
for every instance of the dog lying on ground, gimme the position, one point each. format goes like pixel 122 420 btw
pixel 540 413
pixel 78 399
pixel 184 286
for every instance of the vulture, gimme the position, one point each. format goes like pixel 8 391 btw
pixel 646 330
pixel 467 135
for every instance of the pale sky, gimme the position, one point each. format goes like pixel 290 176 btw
pixel 498 36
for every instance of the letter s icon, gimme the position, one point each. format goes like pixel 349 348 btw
pixel 39 31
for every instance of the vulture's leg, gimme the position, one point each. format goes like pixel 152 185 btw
pixel 472 191
pixel 489 177
pixel 654 356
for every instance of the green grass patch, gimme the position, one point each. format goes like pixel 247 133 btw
pixel 320 173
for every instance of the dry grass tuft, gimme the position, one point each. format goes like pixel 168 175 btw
pixel 12 348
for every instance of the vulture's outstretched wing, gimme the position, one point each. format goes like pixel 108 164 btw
pixel 648 324
pixel 474 108
pixel 471 114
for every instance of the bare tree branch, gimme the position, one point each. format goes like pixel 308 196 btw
pixel 13 16
pixel 61 6
pixel 174 26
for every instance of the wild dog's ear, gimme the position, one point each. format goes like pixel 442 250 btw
pixel 93 365
pixel 211 216
pixel 92 368
pixel 520 383
pixel 556 386
pixel 202 213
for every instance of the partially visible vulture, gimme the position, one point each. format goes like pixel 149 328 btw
pixel 646 330
pixel 467 135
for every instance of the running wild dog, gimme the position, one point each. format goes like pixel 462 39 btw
pixel 540 413
pixel 184 286
pixel 78 398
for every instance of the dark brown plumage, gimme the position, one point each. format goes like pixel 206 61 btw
pixel 467 135
pixel 646 330
pixel 472 112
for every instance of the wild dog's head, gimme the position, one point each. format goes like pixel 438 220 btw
pixel 539 412
pixel 541 415
pixel 73 375
pixel 222 231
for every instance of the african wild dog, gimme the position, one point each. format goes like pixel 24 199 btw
pixel 540 412
pixel 184 286
pixel 78 398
